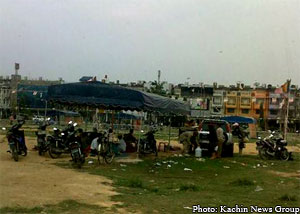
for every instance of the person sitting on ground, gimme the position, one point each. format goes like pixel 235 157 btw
pixel 130 141
pixel 120 146
pixel 111 136
pixel 94 146
pixel 84 141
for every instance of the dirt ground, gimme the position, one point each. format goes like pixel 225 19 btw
pixel 36 181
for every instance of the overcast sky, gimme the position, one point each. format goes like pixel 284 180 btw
pixel 207 41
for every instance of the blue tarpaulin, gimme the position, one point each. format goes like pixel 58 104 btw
pixel 102 95
pixel 238 119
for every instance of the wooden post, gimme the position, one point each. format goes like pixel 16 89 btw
pixel 287 111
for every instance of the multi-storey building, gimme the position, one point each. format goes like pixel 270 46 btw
pixel 5 92
pixel 199 96
pixel 231 103
pixel 217 105
pixel 260 107
pixel 245 103
pixel 238 101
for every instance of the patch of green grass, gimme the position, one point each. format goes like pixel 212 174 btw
pixel 209 184
pixel 189 187
pixel 68 206
pixel 132 183
pixel 287 197
pixel 242 182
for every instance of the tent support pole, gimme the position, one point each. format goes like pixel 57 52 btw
pixel 86 118
pixel 169 144
pixel 138 145
pixel 112 119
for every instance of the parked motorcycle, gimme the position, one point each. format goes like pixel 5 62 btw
pixel 273 146
pixel 16 141
pixel 42 143
pixel 58 142
pixel 148 145
pixel 78 157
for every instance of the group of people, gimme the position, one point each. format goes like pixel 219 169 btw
pixel 121 144
pixel 216 137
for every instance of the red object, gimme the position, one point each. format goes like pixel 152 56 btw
pixel 87 150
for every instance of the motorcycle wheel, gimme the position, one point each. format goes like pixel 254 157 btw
pixel 52 153
pixel 263 154
pixel 14 152
pixel 284 155
pixel 40 149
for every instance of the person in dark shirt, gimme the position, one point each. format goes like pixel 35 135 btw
pixel 131 141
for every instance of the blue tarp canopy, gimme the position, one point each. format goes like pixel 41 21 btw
pixel 238 119
pixel 102 95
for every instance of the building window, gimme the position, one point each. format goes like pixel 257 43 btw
pixel 231 100
pixel 257 111
pixel 245 111
pixel 217 100
pixel 260 101
pixel 230 110
pixel 245 101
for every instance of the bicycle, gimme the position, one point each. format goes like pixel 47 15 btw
pixel 105 150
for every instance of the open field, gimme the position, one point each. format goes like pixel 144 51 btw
pixel 157 185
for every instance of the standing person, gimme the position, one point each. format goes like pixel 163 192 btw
pixel 242 134
pixel 221 139
pixel 11 119
pixel 194 140
pixel 213 141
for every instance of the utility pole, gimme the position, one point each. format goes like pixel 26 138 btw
pixel 287 109
pixel 159 72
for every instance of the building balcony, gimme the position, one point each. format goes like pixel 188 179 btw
pixel 257 106
pixel 231 105
pixel 217 104
pixel 245 106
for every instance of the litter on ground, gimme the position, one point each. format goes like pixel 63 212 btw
pixel 258 189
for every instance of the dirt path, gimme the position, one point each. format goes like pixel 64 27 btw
pixel 35 181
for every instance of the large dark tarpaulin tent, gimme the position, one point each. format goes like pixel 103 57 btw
pixel 102 95
pixel 239 119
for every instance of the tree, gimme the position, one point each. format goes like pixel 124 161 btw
pixel 158 88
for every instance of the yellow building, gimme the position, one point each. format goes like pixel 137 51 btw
pixel 260 107
pixel 238 103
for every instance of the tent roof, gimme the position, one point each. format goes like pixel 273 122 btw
pixel 107 96
pixel 239 119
